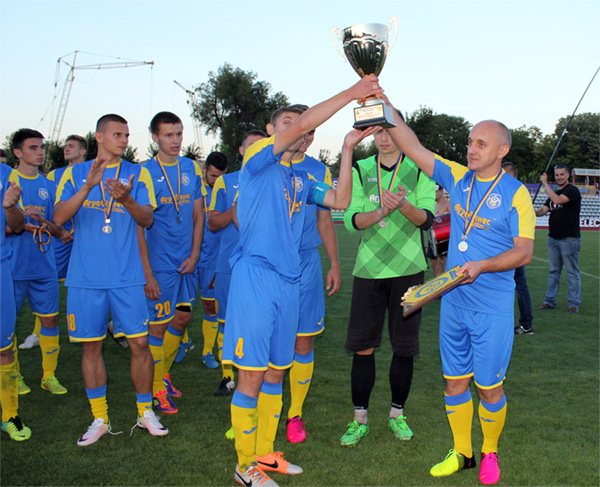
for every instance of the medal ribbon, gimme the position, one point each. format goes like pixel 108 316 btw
pixel 40 242
pixel 175 197
pixel 291 207
pixel 469 223
pixel 398 162
pixel 108 208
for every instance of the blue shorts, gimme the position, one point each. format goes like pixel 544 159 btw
pixel 88 309
pixel 222 283
pixel 312 296
pixel 205 279
pixel 42 295
pixel 262 319
pixel 62 254
pixel 476 344
pixel 175 290
pixel 8 314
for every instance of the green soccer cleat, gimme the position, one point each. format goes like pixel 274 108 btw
pixel 51 384
pixel 23 388
pixel 229 434
pixel 453 462
pixel 354 433
pixel 16 429
pixel 400 428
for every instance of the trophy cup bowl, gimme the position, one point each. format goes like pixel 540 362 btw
pixel 366 48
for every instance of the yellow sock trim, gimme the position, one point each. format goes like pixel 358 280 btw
pixel 269 411
pixel 49 345
pixel 460 418
pixel 300 379
pixel 159 368
pixel 209 331
pixel 244 422
pixel 220 347
pixel 37 327
pixel 142 407
pixel 492 424
pixel 170 348
pixel 9 390
pixel 99 408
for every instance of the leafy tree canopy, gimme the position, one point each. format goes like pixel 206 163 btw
pixel 232 102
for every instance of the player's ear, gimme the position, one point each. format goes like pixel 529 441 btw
pixel 270 129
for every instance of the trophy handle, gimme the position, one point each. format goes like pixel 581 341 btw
pixel 335 31
pixel 393 21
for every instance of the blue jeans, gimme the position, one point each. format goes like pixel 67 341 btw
pixel 564 252
pixel 523 298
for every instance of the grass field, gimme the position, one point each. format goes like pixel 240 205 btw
pixel 551 435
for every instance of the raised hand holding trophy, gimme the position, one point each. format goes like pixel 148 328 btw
pixel 366 48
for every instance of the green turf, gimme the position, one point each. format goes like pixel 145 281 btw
pixel 551 436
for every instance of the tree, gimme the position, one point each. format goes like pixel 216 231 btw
pixel 446 135
pixel 232 102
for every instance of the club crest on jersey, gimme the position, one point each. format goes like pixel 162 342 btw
pixel 494 201
pixel 185 179
pixel 124 181
pixel 299 183
pixel 43 193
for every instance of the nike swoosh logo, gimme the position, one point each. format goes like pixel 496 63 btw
pixel 465 190
pixel 488 420
pixel 278 416
pixel 236 186
pixel 450 412
pixel 272 465
pixel 156 361
pixel 160 180
pixel 247 484
pixel 302 382
pixel 51 352
pixel 249 431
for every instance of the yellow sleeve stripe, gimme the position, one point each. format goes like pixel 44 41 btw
pixel 255 148
pixel 50 175
pixel 458 170
pixel 219 186
pixel 67 176
pixel 14 177
pixel 328 179
pixel 147 180
pixel 522 203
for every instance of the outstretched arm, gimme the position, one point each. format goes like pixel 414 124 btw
pixel 406 140
pixel 315 116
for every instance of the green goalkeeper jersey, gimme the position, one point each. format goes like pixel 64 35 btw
pixel 395 249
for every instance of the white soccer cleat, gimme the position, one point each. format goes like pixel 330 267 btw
pixel 31 341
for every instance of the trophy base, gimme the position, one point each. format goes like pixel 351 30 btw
pixel 372 113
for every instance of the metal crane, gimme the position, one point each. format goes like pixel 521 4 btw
pixel 71 77
pixel 195 123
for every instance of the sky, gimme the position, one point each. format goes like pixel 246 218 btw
pixel 525 62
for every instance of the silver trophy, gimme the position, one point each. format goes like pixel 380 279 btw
pixel 366 48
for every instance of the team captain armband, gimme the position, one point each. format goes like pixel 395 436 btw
pixel 319 192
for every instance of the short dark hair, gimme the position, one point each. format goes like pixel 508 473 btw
pixel 512 165
pixel 163 117
pixel 105 119
pixel 252 132
pixel 218 160
pixel 78 138
pixel 562 166
pixel 2 153
pixel 299 109
pixel 23 134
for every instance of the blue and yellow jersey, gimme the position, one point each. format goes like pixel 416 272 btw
pixel 31 260
pixel 223 196
pixel 170 242
pixel 506 213
pixel 100 260
pixel 60 248
pixel 210 240
pixel 319 171
pixel 271 209
pixel 7 175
